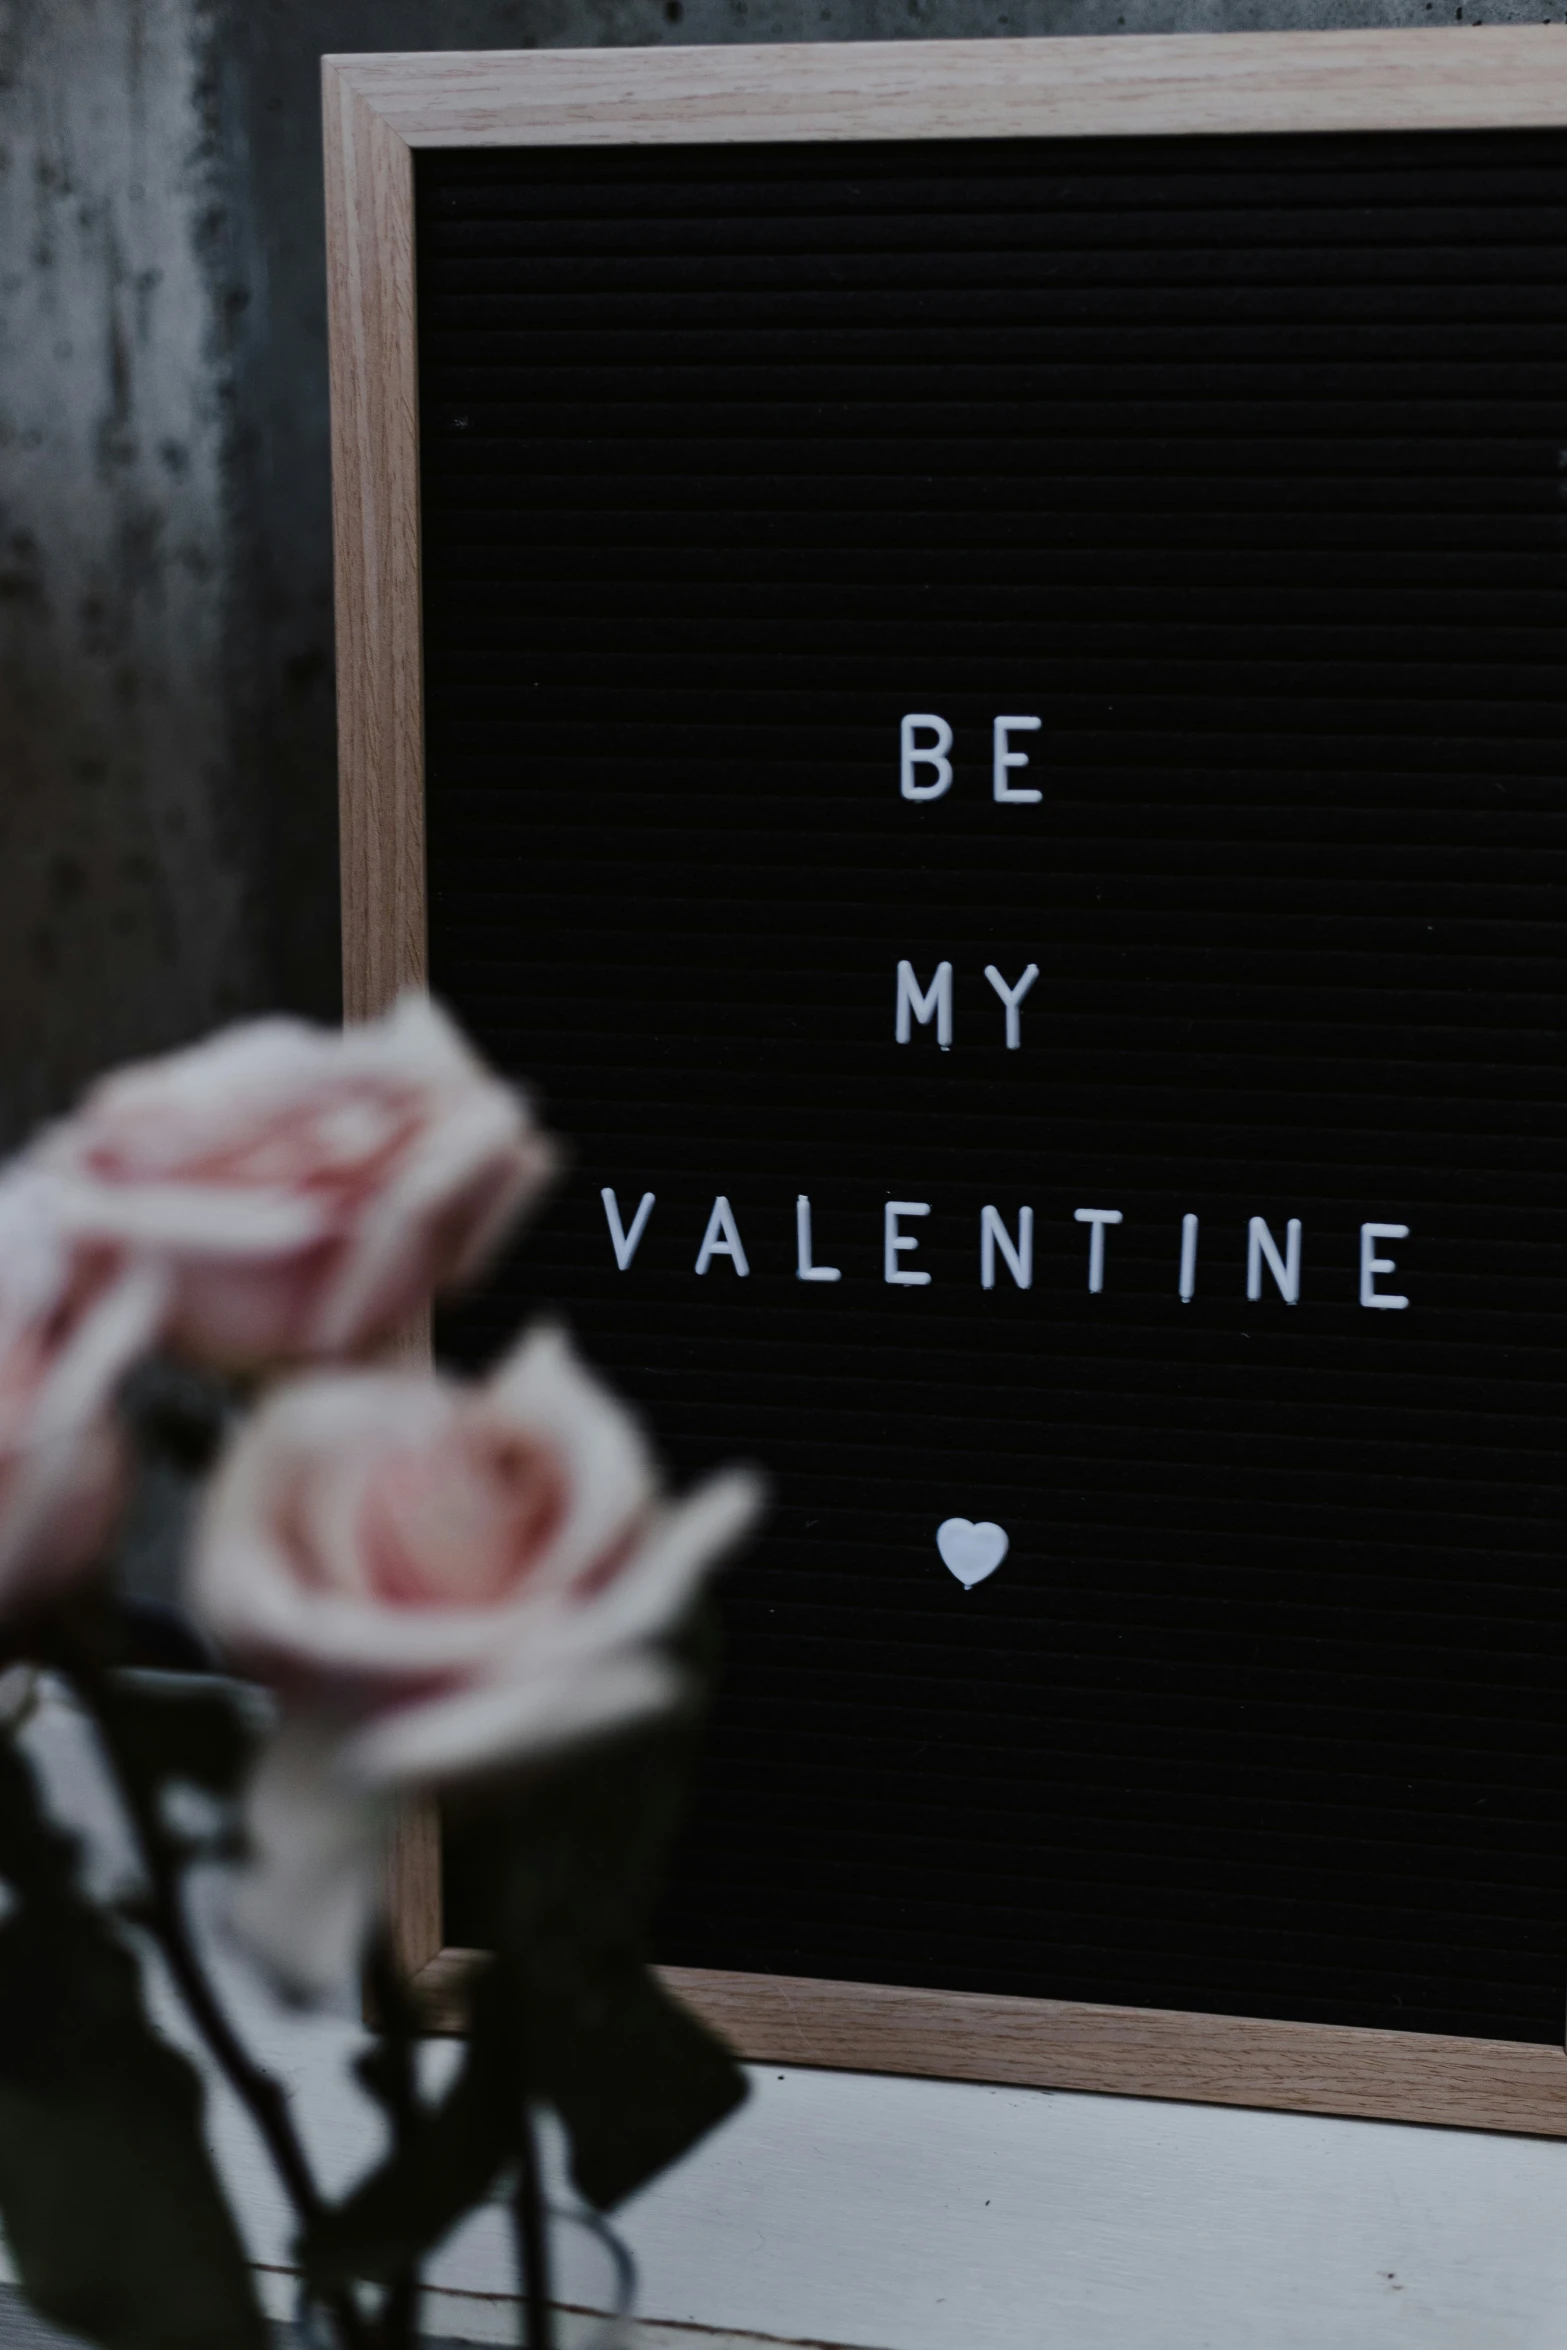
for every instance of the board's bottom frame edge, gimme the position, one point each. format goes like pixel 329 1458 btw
pixel 1516 2087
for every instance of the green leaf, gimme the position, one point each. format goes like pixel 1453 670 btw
pixel 576 1860
pixel 36 1858
pixel 177 1413
pixel 578 1851
pixel 442 2161
pixel 564 1867
pixel 567 1866
pixel 634 2076
pixel 440 2167
pixel 110 2204
pixel 192 1727
pixel 113 2218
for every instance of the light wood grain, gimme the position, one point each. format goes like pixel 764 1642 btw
pixel 1137 2052
pixel 1443 78
pixel 371 324
pixel 413 1886
pixel 1117 2051
pixel 442 1987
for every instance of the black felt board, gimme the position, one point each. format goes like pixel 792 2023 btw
pixel 1240 463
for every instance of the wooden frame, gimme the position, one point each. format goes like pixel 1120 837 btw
pixel 377 110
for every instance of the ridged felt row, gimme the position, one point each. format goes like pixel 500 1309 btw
pixel 1242 465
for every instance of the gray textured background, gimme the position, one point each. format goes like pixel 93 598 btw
pixel 167 825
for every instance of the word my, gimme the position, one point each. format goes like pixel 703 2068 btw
pixel 999 1245
pixel 922 1007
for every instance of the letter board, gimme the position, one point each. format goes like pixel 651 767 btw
pixel 992 728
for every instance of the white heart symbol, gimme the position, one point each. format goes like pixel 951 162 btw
pixel 970 1552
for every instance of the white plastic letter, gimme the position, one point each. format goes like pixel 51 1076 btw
pixel 936 1002
pixel 722 1239
pixel 1012 997
pixel 1260 1243
pixel 933 754
pixel 993 1234
pixel 1006 758
pixel 1098 1218
pixel 804 1269
pixel 894 1241
pixel 622 1242
pixel 1371 1265
pixel 1188 1259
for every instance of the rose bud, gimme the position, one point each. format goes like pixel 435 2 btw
pixel 306 1188
pixel 441 1581
pixel 72 1322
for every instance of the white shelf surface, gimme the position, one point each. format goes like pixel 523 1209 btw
pixel 838 2208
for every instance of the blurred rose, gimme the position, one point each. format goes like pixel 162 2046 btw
pixel 440 1581
pixel 72 1321
pixel 306 1188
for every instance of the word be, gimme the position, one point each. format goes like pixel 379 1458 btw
pixel 916 755
pixel 721 1239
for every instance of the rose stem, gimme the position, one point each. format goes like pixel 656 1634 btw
pixel 398 2091
pixel 400 2311
pixel 528 2219
pixel 256 2090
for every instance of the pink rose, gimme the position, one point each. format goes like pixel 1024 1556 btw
pixel 440 1581
pixel 306 1188
pixel 72 1322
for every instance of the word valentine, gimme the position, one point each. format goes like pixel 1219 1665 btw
pixel 1000 1245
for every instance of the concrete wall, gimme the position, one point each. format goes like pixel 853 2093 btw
pixel 167 815
pixel 125 857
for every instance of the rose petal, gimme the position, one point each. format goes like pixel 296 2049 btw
pixel 309 1187
pixel 487 1727
pixel 387 1685
pixel 482 1156
pixel 661 1577
pixel 249 1587
pixel 543 1388
pixel 61 1466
